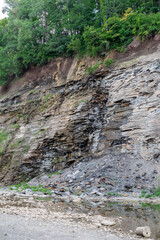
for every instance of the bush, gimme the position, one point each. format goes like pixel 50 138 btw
pixel 95 40
pixel 108 62
pixel 157 192
pixel 26 41
pixel 75 45
pixel 121 30
pixel 91 70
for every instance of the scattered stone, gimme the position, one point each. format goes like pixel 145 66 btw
pixel 76 200
pixel 108 222
pixel 134 44
pixel 97 224
pixel 157 37
pixel 143 231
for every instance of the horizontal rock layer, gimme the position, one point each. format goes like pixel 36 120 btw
pixel 66 116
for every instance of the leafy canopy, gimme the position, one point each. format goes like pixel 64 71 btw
pixel 39 30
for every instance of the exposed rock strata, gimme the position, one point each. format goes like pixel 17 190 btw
pixel 67 116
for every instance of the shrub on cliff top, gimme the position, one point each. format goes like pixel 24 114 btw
pixel 108 62
pixel 38 31
pixel 121 30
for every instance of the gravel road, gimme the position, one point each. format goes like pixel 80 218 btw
pixel 13 227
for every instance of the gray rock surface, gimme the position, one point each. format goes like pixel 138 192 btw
pixel 108 122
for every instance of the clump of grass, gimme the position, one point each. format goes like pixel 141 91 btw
pixel 3 136
pixel 113 194
pixel 144 191
pixel 155 193
pixel 23 116
pixel 23 186
pixel 20 143
pixel 32 91
pixel 15 126
pixel 47 97
pixel 17 144
pixel 91 70
pixel 4 140
pixel 46 102
pixel 108 62
pixel 55 173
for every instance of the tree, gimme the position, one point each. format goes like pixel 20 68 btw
pixel 39 30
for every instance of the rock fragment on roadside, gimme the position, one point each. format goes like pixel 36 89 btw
pixel 108 223
pixel 143 231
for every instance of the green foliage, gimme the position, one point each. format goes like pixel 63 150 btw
pixel 155 193
pixel 144 191
pixel 151 206
pixel 23 186
pixel 15 126
pixel 108 62
pixel 76 46
pixel 91 70
pixel 47 97
pixel 123 29
pixel 19 144
pixel 94 40
pixel 4 140
pixel 113 194
pixel 3 136
pixel 37 31
pixel 111 7
pixel 55 173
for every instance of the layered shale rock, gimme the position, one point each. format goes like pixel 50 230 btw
pixel 60 115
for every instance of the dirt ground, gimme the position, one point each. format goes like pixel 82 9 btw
pixel 28 219
pixel 14 227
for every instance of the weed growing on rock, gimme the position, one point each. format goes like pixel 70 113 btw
pixel 47 97
pixel 114 194
pixel 32 91
pixel 155 193
pixel 4 140
pixel 20 143
pixel 55 173
pixel 150 205
pixel 108 62
pixel 17 144
pixel 15 126
pixel 91 70
pixel 3 136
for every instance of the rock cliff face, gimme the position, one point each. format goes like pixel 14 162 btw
pixel 58 115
